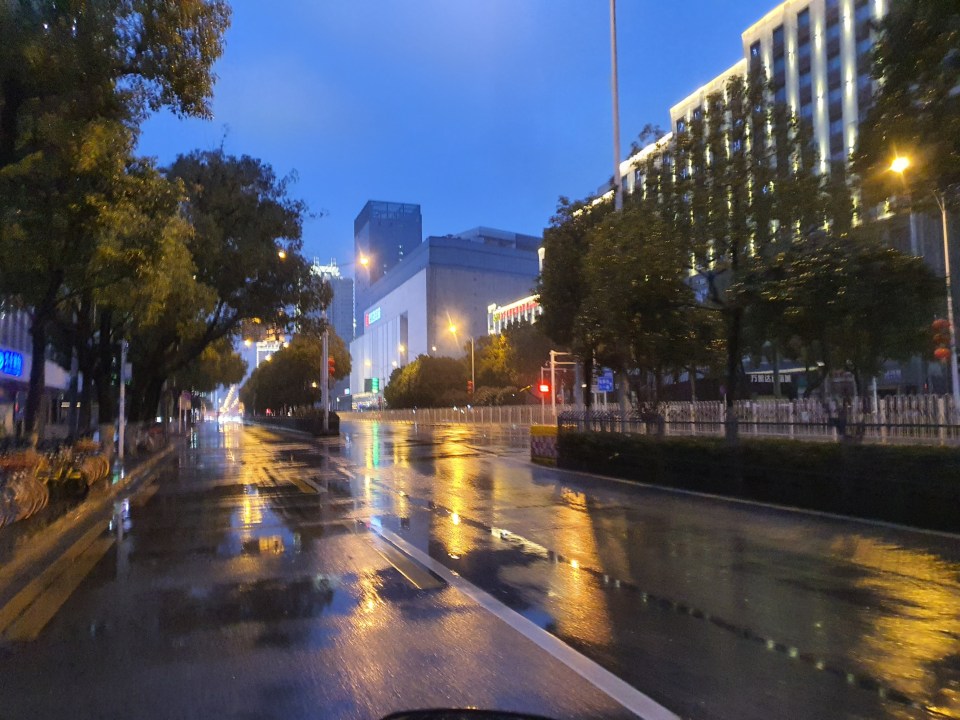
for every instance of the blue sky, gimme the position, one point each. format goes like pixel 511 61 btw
pixel 482 111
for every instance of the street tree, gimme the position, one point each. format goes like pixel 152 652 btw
pixel 428 382
pixel 75 82
pixel 293 377
pixel 916 109
pixel 245 251
pixel 562 286
pixel 845 304
pixel 639 308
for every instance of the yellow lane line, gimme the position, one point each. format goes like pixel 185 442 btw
pixel 22 600
pixel 41 612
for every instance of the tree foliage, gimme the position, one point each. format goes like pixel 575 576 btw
pixel 241 218
pixel 916 111
pixel 293 377
pixel 76 79
pixel 428 382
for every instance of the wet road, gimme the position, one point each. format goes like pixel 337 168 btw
pixel 247 584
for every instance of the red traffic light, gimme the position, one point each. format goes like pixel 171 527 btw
pixel 470 387
pixel 331 367
pixel 544 388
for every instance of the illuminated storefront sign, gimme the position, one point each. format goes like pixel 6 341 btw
pixel 371 317
pixel 11 363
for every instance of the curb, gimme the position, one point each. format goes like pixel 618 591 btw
pixel 60 531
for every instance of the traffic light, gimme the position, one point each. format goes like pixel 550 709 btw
pixel 545 388
pixel 331 367
pixel 941 338
pixel 469 387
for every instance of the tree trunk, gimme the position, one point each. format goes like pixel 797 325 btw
pixel 107 411
pixel 85 416
pixel 38 348
pixel 587 380
pixel 777 391
pixel 733 372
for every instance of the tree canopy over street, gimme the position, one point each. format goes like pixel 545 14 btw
pixel 99 244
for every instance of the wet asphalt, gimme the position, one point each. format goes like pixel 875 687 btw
pixel 246 582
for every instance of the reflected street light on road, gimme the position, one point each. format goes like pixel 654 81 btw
pixel 900 165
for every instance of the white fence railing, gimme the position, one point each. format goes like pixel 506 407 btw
pixel 519 415
pixel 895 419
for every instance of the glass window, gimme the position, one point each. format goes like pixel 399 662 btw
pixel 697 113
pixel 833 63
pixel 780 96
pixel 833 31
pixel 862 12
pixel 836 127
pixel 803 18
pixel 778 36
pixel 806 112
pixel 681 125
pixel 806 79
pixel 755 50
pixel 864 46
pixel 779 65
pixel 803 50
pixel 836 95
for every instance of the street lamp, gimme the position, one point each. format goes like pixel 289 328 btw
pixel 899 166
pixel 473 378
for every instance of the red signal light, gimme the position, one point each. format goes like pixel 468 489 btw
pixel 544 388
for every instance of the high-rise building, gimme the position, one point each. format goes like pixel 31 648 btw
pixel 816 54
pixel 383 232
pixel 445 282
pixel 340 312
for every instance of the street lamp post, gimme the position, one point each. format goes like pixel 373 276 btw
pixel 473 377
pixel 900 165
pixel 614 90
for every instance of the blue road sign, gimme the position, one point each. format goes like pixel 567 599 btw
pixel 605 381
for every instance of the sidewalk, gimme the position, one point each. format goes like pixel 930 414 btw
pixel 27 545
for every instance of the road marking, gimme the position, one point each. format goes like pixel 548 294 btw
pixel 416 574
pixel 65 567
pixel 29 625
pixel 632 699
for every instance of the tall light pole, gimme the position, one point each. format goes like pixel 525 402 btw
pixel 617 180
pixel 900 165
pixel 473 377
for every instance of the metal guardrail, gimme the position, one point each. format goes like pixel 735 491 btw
pixel 926 419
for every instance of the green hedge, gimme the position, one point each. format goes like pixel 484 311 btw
pixel 914 485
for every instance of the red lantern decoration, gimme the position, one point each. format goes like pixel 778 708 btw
pixel 942 354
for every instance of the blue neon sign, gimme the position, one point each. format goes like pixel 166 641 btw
pixel 11 363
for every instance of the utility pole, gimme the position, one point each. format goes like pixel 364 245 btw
pixel 617 180
pixel 325 369
pixel 123 398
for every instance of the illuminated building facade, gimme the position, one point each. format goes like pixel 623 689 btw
pixel 445 281
pixel 816 54
pixel 523 311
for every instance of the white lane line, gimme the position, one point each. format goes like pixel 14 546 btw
pixel 632 699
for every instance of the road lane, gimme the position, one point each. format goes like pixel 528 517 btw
pixel 716 609
pixel 245 585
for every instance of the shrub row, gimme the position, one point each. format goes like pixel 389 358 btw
pixel 913 485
